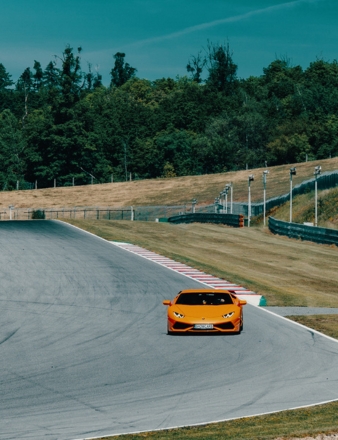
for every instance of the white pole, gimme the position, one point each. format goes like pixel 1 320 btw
pixel 264 197
pixel 251 178
pixel 290 198
pixel 131 213
pixel 249 206
pixel 231 198
pixel 316 205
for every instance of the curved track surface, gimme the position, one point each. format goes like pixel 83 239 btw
pixel 84 350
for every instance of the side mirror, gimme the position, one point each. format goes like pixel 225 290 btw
pixel 242 302
pixel 166 302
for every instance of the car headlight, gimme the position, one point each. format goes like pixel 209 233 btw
pixel 178 315
pixel 228 315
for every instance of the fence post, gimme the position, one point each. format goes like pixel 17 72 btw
pixel 131 213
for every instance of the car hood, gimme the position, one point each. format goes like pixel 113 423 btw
pixel 204 311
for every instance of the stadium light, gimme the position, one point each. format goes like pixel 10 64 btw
pixel 250 179
pixel 216 204
pixel 292 173
pixel 193 203
pixel 225 192
pixel 264 194
pixel 317 172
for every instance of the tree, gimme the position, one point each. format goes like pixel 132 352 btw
pixel 51 76
pixel 121 71
pixel 222 70
pixel 12 146
pixel 5 78
pixel 71 77
pixel 195 67
pixel 38 75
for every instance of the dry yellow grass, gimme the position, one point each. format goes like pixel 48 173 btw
pixel 174 191
pixel 287 272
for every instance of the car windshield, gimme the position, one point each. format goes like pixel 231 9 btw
pixel 199 299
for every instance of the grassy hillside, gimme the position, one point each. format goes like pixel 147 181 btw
pixel 173 191
pixel 303 209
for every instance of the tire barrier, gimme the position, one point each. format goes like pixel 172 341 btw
pixel 234 220
pixel 304 232
pixel 195 274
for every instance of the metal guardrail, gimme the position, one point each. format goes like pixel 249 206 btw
pixel 304 232
pixel 235 220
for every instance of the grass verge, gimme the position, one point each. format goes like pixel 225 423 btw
pixel 327 324
pixel 321 419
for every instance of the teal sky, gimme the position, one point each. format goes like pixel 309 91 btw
pixel 159 36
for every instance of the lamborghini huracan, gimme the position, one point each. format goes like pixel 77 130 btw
pixel 204 311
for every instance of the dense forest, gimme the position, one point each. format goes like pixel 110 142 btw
pixel 62 123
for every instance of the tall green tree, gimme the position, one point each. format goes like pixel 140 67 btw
pixel 122 71
pixel 5 78
pixel 222 70
pixel 12 151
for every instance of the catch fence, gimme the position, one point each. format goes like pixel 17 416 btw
pixel 140 213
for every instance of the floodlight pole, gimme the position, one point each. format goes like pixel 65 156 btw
pixel 216 204
pixel 231 198
pixel 316 173
pixel 292 172
pixel 193 203
pixel 226 191
pixel 222 194
pixel 264 195
pixel 250 179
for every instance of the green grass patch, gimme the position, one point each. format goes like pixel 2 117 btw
pixel 312 421
pixel 327 324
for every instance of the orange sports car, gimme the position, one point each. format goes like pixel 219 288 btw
pixel 205 310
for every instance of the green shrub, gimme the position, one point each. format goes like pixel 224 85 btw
pixel 38 215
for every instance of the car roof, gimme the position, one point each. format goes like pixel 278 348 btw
pixel 204 291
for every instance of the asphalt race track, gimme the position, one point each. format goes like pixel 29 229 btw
pixel 84 351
